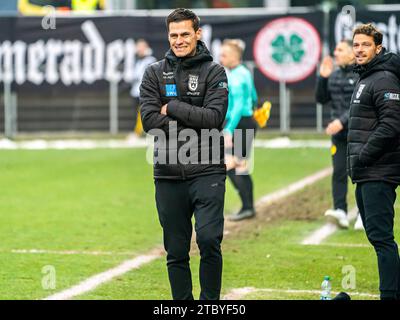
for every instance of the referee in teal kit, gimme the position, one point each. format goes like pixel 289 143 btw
pixel 242 101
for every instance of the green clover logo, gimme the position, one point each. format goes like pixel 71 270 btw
pixel 284 52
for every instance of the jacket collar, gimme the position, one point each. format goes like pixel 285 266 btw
pixel 202 55
pixel 384 61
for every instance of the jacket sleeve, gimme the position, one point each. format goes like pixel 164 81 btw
pixel 322 94
pixel 344 118
pixel 215 104
pixel 151 104
pixel 386 98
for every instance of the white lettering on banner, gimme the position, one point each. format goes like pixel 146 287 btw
pixel 36 56
pixel 75 61
pixel 20 48
pixel 115 54
pixel 6 53
pixel 70 64
pixel 130 49
pixel 54 50
pixel 390 31
pixel 93 57
pixel 68 61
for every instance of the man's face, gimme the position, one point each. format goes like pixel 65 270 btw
pixel 229 57
pixel 364 48
pixel 141 48
pixel 343 54
pixel 182 38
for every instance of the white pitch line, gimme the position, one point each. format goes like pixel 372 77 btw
pixel 71 252
pixel 343 245
pixel 66 144
pixel 320 234
pixel 135 142
pixel 287 143
pixel 238 293
pixel 294 187
pixel 325 231
pixel 96 280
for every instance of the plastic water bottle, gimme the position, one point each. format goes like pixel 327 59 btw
pixel 326 288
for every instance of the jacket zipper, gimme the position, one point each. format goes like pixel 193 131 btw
pixel 177 82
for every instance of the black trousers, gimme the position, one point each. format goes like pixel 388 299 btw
pixel 375 201
pixel 339 176
pixel 177 200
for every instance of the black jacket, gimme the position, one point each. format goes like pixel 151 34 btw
pixel 338 89
pixel 374 124
pixel 195 89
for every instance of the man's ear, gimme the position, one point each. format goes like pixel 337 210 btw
pixel 379 49
pixel 199 34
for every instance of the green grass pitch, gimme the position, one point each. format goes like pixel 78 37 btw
pixel 103 200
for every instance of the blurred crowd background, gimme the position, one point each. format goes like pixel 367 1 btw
pixel 69 65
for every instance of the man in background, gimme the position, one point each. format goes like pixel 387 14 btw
pixel 336 87
pixel 143 59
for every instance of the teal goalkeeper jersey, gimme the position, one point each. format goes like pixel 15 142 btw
pixel 242 96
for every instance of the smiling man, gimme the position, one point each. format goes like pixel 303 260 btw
pixel 374 149
pixel 188 91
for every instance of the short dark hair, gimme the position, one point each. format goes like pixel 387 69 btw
pixel 370 30
pixel 182 14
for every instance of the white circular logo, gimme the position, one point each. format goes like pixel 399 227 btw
pixel 287 49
